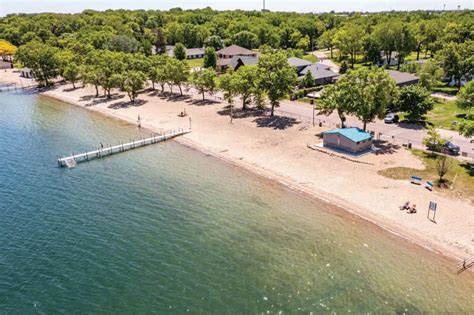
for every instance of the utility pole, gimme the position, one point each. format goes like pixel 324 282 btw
pixel 263 5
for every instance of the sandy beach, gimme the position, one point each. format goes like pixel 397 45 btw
pixel 277 148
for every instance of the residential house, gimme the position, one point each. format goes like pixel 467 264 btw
pixel 321 73
pixel 299 64
pixel 352 140
pixel 403 78
pixel 238 61
pixel 191 53
pixel 226 54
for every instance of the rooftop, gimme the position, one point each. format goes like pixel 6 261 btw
pixel 298 62
pixel 319 71
pixel 246 61
pixel 354 134
pixel 403 77
pixel 235 50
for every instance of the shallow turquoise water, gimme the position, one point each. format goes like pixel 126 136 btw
pixel 168 230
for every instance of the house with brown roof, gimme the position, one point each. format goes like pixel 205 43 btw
pixel 226 54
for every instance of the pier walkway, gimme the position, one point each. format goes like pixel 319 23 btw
pixel 73 159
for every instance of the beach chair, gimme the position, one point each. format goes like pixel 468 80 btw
pixel 415 180
pixel 429 186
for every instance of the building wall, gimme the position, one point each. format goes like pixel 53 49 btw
pixel 340 142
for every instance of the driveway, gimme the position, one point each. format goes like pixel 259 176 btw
pixel 325 60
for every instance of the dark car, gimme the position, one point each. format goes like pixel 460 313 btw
pixel 451 148
pixel 391 118
pixel 448 148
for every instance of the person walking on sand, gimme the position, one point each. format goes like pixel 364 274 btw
pixel 139 122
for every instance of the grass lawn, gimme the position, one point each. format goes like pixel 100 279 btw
pixel 445 114
pixel 444 88
pixel 459 172
pixel 193 63
pixel 412 56
pixel 311 58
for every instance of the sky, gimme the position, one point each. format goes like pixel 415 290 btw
pixel 73 6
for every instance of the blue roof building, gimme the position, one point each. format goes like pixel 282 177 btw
pixel 352 140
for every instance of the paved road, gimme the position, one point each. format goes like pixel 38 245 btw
pixel 402 133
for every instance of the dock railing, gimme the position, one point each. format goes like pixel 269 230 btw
pixel 103 151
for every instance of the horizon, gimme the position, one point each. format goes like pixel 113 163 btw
pixel 372 6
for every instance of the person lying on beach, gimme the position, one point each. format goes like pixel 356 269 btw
pixel 412 209
pixel 406 206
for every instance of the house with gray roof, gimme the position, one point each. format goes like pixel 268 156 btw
pixel 321 73
pixel 238 61
pixel 403 78
pixel 299 64
pixel 191 53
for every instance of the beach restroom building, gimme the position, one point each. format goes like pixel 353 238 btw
pixel 352 140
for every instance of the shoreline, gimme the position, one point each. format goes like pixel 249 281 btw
pixel 334 202
pixel 281 156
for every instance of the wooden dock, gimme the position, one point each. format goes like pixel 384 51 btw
pixel 73 159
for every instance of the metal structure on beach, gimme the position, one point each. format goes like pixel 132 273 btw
pixel 73 159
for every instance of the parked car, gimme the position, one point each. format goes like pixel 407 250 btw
pixel 451 148
pixel 391 118
pixel 448 148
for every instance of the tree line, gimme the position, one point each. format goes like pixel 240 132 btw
pixel 272 78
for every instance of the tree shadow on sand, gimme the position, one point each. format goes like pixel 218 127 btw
pixel 385 147
pixel 240 113
pixel 173 97
pixel 201 102
pixel 100 99
pixel 276 122
pixel 125 104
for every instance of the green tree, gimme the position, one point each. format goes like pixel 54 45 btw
pixel 159 40
pixel 349 40
pixel 326 40
pixel 466 128
pixel 72 74
pixel 41 59
pixel 458 60
pixel 332 99
pixel 227 85
pixel 156 71
pixel 176 73
pixel 180 51
pixel 278 78
pixel 214 41
pixel 134 81
pixel 109 65
pixel 90 75
pixel 404 43
pixel 246 39
pixel 308 80
pixel 210 58
pixel 204 80
pixel 371 91
pixel 465 97
pixel 415 101
pixel 433 140
pixel 246 81
pixel 123 43
pixel 430 74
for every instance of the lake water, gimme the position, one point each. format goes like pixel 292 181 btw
pixel 168 230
